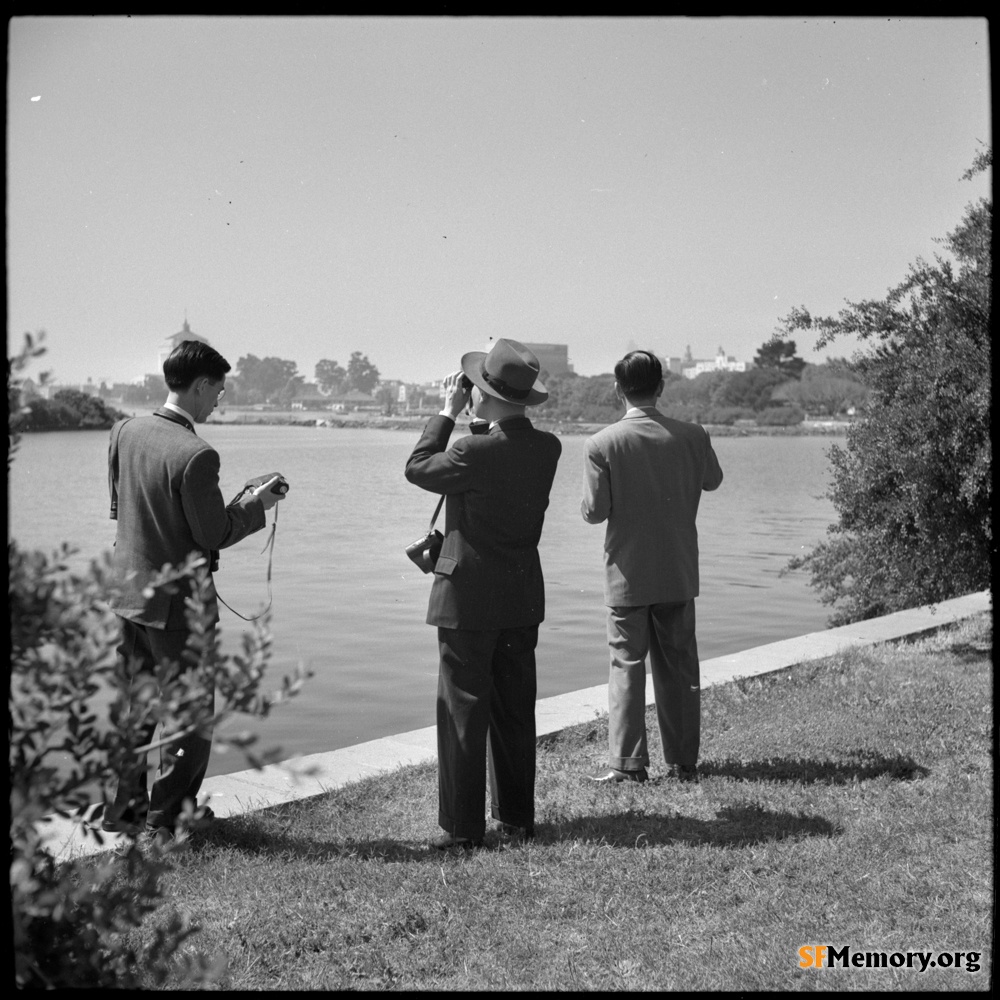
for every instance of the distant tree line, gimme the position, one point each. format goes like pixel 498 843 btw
pixel 68 409
pixel 276 381
pixel 780 389
pixel 270 381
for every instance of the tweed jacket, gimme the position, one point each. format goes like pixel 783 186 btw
pixel 497 485
pixel 644 475
pixel 165 496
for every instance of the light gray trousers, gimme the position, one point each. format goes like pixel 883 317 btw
pixel 666 632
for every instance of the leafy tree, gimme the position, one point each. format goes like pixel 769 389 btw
pixel 68 408
pixel 699 391
pixel 828 389
pixel 751 389
pixel 913 487
pixel 92 410
pixel 361 373
pixel 780 416
pixel 779 355
pixel 330 377
pixel 576 397
pixel 265 380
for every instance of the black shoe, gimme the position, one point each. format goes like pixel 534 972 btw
pixel 169 833
pixel 512 832
pixel 683 772
pixel 449 842
pixel 126 822
pixel 612 775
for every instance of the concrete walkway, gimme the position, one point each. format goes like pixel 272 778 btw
pixel 302 777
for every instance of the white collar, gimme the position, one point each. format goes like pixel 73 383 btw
pixel 179 409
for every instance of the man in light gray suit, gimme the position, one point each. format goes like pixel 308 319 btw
pixel 644 475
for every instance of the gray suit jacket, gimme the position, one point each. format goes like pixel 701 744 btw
pixel 644 475
pixel 165 496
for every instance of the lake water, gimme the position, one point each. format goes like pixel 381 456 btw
pixel 350 605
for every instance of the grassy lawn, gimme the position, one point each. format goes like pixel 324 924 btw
pixel 845 802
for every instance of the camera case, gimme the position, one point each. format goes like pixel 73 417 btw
pixel 424 551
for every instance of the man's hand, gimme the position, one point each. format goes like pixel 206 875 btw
pixel 268 498
pixel 456 398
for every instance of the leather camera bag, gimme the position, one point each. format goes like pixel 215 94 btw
pixel 425 550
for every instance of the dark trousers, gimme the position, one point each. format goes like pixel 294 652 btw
pixel 183 764
pixel 486 722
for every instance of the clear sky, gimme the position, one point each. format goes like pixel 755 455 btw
pixel 410 187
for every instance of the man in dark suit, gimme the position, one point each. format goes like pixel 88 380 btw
pixel 488 595
pixel 165 496
pixel 644 475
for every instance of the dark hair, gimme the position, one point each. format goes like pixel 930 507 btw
pixel 192 359
pixel 638 373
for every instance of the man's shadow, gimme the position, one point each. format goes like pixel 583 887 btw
pixel 808 771
pixel 733 826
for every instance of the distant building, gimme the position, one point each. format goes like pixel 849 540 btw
pixel 46 390
pixel 185 333
pixel 692 368
pixel 310 397
pixel 552 358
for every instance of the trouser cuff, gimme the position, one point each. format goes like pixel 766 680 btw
pixel 457 829
pixel 629 763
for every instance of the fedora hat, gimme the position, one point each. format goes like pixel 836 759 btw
pixel 509 371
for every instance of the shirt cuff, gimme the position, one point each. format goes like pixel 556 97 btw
pixel 445 413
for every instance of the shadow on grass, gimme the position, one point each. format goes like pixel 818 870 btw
pixel 248 838
pixel 809 772
pixel 733 826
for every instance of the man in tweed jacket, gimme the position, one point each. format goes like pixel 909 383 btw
pixel 644 476
pixel 165 497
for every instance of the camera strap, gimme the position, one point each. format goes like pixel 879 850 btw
pixel 269 548
pixel 434 517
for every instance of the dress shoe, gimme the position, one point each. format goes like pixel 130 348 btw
pixel 512 832
pixel 168 834
pixel 127 822
pixel 611 776
pixel 449 842
pixel 683 772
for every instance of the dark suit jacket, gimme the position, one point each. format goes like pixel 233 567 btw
pixel 488 575
pixel 164 483
pixel 645 475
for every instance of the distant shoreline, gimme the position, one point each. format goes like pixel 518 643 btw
pixel 564 427
pixel 288 418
